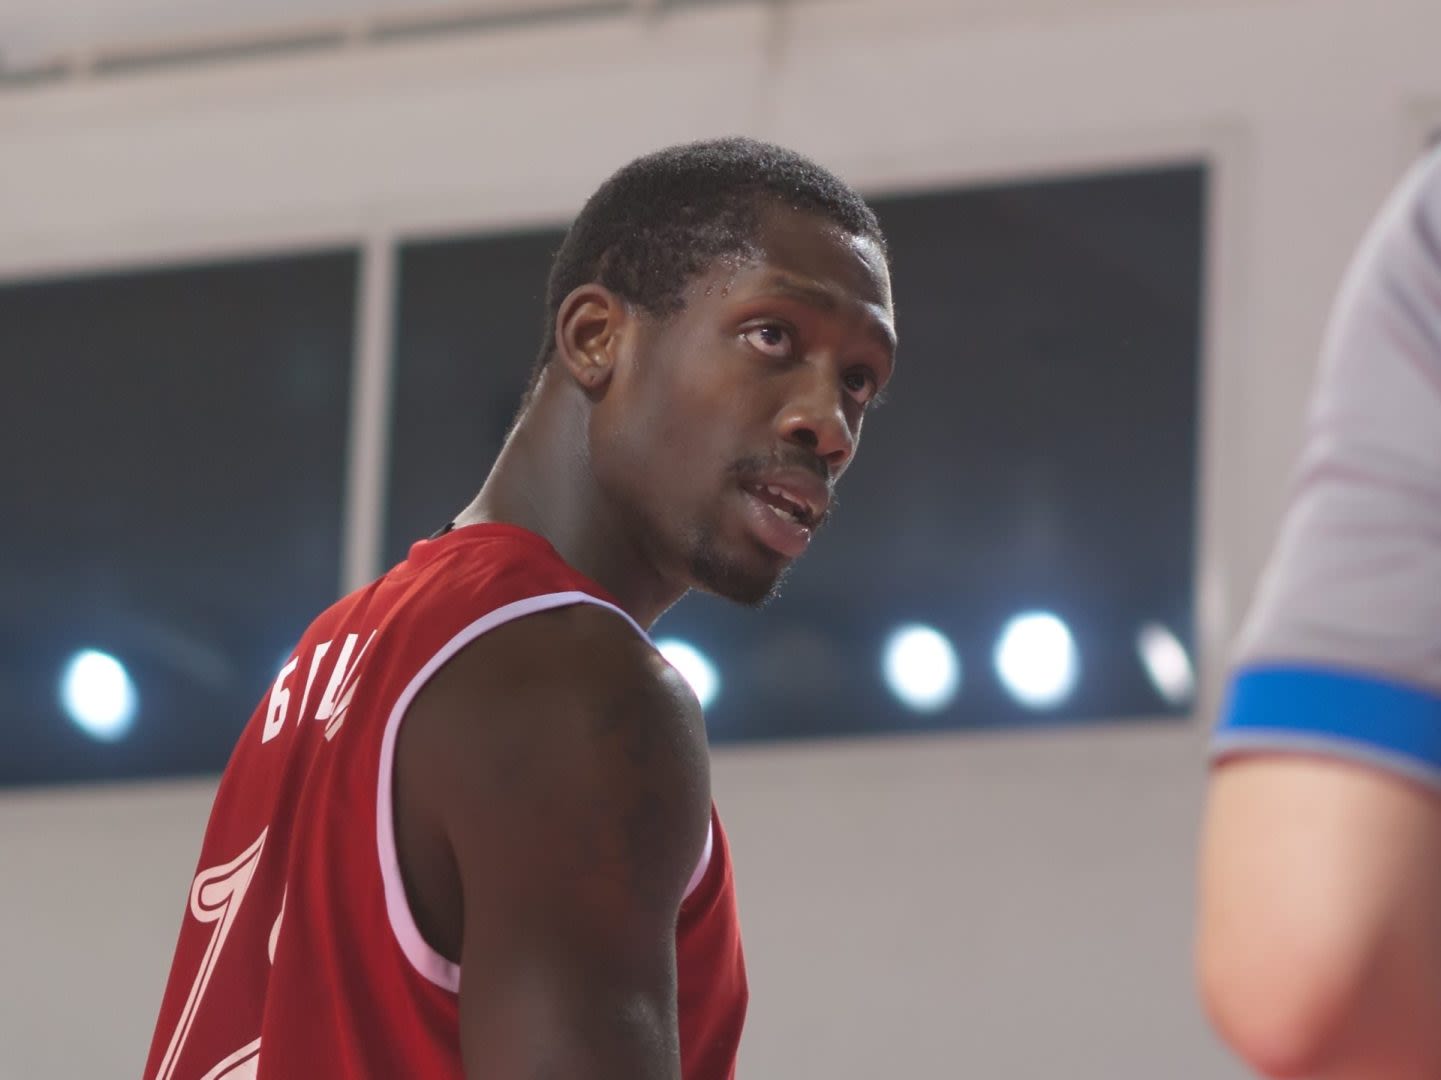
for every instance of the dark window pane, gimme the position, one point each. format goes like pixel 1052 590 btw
pixel 174 468
pixel 1039 450
pixel 468 326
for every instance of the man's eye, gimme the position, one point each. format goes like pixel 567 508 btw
pixel 862 384
pixel 770 339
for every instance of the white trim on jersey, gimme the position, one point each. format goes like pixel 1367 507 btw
pixel 422 957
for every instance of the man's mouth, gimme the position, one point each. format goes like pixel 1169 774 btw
pixel 784 509
pixel 785 504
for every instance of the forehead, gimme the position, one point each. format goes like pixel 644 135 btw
pixel 808 247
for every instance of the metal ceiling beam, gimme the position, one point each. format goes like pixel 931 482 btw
pixel 119 54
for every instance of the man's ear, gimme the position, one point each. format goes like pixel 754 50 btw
pixel 588 327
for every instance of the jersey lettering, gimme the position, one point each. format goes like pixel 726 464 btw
pixel 275 930
pixel 279 702
pixel 244 1064
pixel 215 897
pixel 320 651
pixel 334 700
pixel 341 689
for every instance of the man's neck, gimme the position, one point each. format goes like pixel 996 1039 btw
pixel 542 482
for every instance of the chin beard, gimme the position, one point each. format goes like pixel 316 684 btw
pixel 712 572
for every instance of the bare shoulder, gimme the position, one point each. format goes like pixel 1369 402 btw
pixel 578 675
pixel 563 746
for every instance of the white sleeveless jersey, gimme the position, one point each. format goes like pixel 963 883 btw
pixel 1341 653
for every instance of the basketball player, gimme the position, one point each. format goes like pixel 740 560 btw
pixel 469 829
pixel 1320 922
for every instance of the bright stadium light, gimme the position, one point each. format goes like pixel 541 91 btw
pixel 921 668
pixel 694 666
pixel 1036 659
pixel 98 695
pixel 1167 663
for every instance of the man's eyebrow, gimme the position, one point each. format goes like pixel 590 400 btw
pixel 823 299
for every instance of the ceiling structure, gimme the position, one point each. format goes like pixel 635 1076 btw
pixel 41 40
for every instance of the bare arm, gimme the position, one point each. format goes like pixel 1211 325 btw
pixel 564 765
pixel 1319 947
pixel 1320 919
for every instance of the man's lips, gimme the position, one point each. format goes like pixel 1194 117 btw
pixel 801 494
pixel 783 508
pixel 777 529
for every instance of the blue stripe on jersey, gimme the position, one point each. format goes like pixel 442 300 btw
pixel 1346 713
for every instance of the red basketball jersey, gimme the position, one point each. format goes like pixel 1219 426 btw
pixel 298 955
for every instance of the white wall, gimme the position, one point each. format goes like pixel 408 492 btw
pixel 998 906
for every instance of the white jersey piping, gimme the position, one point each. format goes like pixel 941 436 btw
pixel 422 957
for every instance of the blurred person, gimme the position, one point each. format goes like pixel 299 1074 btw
pixel 1319 944
pixel 469 830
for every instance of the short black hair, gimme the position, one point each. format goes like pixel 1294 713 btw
pixel 666 217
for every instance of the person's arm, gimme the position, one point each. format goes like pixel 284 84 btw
pixel 1320 943
pixel 565 764
pixel 1319 938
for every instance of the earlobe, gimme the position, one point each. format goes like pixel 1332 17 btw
pixel 587 331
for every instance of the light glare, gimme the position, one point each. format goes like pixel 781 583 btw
pixel 695 667
pixel 1167 664
pixel 98 695
pixel 921 668
pixel 1036 659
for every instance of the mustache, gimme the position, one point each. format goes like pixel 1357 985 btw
pixel 757 465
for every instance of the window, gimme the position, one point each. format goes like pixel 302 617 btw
pixel 468 327
pixel 175 444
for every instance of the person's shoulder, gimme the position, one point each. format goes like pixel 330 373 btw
pixel 1404 238
pixel 569 696
pixel 1420 191
pixel 558 744
pixel 580 654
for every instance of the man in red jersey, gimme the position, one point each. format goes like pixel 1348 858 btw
pixel 469 830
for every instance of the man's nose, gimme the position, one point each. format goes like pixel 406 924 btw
pixel 815 418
